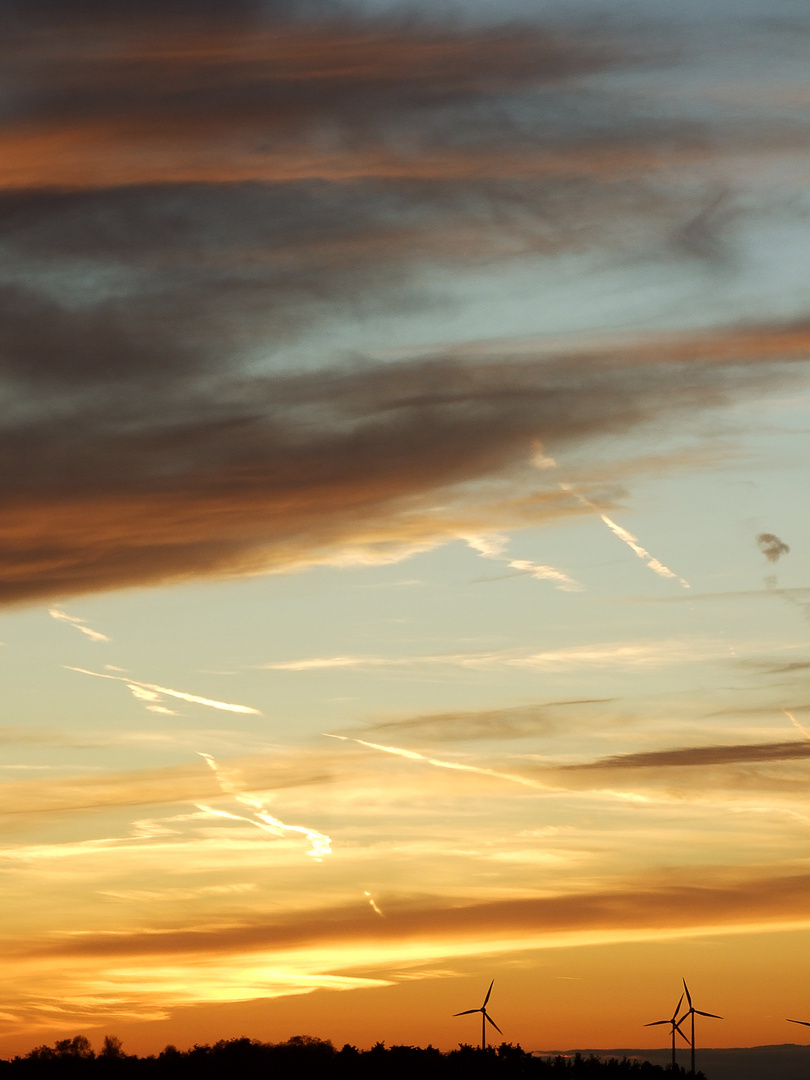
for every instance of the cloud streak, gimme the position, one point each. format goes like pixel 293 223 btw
pixel 140 787
pixel 697 756
pixel 515 722
pixel 625 655
pixel 262 89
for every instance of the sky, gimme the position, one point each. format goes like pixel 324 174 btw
pixel 404 537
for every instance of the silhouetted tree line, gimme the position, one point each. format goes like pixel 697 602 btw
pixel 307 1058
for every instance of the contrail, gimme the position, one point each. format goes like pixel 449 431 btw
pixel 373 905
pixel 493 546
pixel 796 724
pixel 632 542
pixel 150 699
pixel 546 573
pixel 194 699
pixel 94 635
pixel 412 755
pixel 321 844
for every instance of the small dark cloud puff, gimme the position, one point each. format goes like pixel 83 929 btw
pixel 772 547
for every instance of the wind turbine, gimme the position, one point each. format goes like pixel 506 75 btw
pixel 676 1026
pixel 692 1011
pixel 484 1017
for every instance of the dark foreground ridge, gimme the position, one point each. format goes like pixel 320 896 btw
pixel 780 1061
pixel 304 1057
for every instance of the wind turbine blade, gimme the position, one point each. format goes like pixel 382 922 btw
pixel 677 1008
pixel 688 995
pixel 488 1017
pixel 466 1012
pixel 806 1024
pixel 655 1023
pixel 486 999
pixel 677 1027
pixel 714 1016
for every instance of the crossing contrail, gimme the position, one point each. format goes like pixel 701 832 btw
pixel 320 843
pixel 632 542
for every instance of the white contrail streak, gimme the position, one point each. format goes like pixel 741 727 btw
pixel 194 699
pixel 632 542
pixel 493 546
pixel 546 573
pixel 78 624
pixel 320 844
pixel 373 905
pixel 412 755
pixel 149 699
pixel 796 724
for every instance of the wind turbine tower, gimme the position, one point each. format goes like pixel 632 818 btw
pixel 692 1011
pixel 676 1026
pixel 485 1017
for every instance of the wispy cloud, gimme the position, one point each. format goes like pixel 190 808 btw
pixel 697 756
pixel 167 784
pixel 514 722
pixel 609 654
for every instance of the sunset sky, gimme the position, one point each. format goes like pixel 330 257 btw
pixel 404 536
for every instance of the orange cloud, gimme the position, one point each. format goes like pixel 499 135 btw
pixel 129 101
pixel 722 900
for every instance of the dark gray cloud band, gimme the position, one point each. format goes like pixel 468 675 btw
pixel 170 408
pixel 200 474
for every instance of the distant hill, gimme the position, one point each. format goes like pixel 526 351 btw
pixel 785 1061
